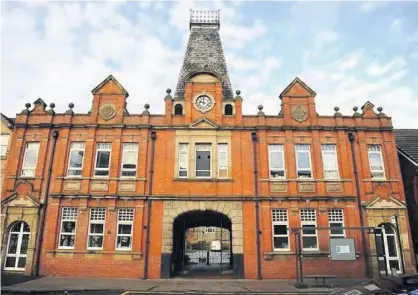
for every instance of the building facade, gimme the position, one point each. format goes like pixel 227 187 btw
pixel 111 194
pixel 6 134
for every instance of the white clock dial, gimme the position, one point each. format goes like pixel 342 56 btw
pixel 204 102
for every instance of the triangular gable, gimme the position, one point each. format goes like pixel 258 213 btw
pixel 111 83
pixel 381 203
pixel 20 201
pixel 297 88
pixel 367 109
pixel 39 107
pixel 203 123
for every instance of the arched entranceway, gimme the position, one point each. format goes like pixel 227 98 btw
pixel 387 247
pixel 202 245
pixel 17 246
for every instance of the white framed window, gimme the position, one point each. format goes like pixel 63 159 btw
pixel 336 222
pixel 223 160
pixel 96 228
pixel 4 143
pixel 276 161
pixel 103 152
pixel 125 228
pixel 30 159
pixel 330 161
pixel 129 159
pixel 68 228
pixel 377 168
pixel 303 160
pixel 203 160
pixel 183 160
pixel 75 160
pixel 309 232
pixel 280 229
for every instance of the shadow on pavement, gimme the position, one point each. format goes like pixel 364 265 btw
pixel 10 279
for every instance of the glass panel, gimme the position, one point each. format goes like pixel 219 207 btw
pixel 304 174
pixel 129 173
pixel 308 229
pixel 13 243
pixel 276 160
pixel 67 240
pixel 303 160
pixel 22 262
pixel 280 229
pixel 392 246
pixel 68 227
pixel 95 241
pixel 379 245
pixel 335 230
pixel 16 227
pixel 101 172
pixel 124 229
pixel 31 158
pixel 276 173
pixel 26 227
pixel 309 242
pixel 103 159
pixel 124 242
pixel 96 228
pixel 76 159
pixel 281 242
pixel 24 244
pixel 183 173
pixel 74 171
pixel 202 160
pixel 394 264
pixel 388 229
pixel 10 261
pixel 129 160
pixel 375 161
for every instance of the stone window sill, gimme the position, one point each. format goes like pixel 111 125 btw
pixel 203 179
pixel 303 180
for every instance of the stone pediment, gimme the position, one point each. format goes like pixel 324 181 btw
pixel 203 123
pixel 110 86
pixel 297 88
pixel 20 201
pixel 381 203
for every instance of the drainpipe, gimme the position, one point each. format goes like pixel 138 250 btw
pixel 257 205
pixel 149 204
pixel 352 137
pixel 41 226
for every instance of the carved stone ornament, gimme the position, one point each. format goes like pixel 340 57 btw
pixel 107 111
pixel 300 113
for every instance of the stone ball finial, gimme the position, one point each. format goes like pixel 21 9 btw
pixel 336 109
pixel 260 107
pixel 168 90
pixel 355 109
pixel 52 105
pixel 71 105
pixel 379 109
pixel 146 106
pixel 238 92
pixel 27 105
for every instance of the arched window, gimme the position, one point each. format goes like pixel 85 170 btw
pixel 228 110
pixel 178 109
pixel 17 246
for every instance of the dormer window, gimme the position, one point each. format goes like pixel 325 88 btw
pixel 228 110
pixel 178 109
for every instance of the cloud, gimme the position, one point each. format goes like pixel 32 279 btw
pixel 349 62
pixel 376 69
pixel 370 6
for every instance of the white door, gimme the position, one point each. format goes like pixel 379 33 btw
pixel 390 242
pixel 17 246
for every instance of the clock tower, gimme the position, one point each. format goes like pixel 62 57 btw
pixel 204 89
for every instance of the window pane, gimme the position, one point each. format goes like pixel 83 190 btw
pixel 68 227
pixel 67 240
pixel 96 228
pixel 277 173
pixel 392 246
pixel 129 160
pixel 124 229
pixel 16 227
pixel 394 264
pixel 280 229
pixel 309 242
pixel 24 244
pixel 22 262
pixel 276 160
pixel 281 242
pixel 128 173
pixel 95 241
pixel 103 159
pixel 375 161
pixel 309 229
pixel 13 243
pixel 30 158
pixel 336 229
pixel 25 227
pixel 304 174
pixel 124 242
pixel 76 159
pixel 202 160
pixel 101 172
pixel 11 262
pixel 303 160
pixel 183 173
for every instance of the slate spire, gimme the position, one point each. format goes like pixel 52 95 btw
pixel 204 51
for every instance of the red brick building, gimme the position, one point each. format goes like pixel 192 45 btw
pixel 109 193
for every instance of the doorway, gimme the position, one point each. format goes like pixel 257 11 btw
pixel 17 246
pixel 387 247
pixel 202 245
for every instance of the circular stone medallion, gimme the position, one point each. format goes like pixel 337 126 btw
pixel 300 113
pixel 107 111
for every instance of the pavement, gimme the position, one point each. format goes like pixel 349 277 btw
pixel 18 284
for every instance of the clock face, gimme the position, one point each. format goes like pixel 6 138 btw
pixel 203 102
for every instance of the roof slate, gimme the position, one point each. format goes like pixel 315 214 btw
pixel 9 120
pixel 204 53
pixel 407 141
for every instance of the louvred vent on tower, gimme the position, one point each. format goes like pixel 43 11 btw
pixel 204 53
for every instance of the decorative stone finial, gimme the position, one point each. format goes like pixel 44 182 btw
pixel 146 106
pixel 238 92
pixel 356 114
pixel 260 107
pixel 70 110
pixel 337 113
pixel 381 114
pixel 51 110
pixel 260 110
pixel 146 112
pixel 355 108
pixel 52 105
pixel 379 109
pixel 168 91
pixel 27 105
pixel 71 105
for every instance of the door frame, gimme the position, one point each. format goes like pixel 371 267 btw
pixel 388 258
pixel 17 255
